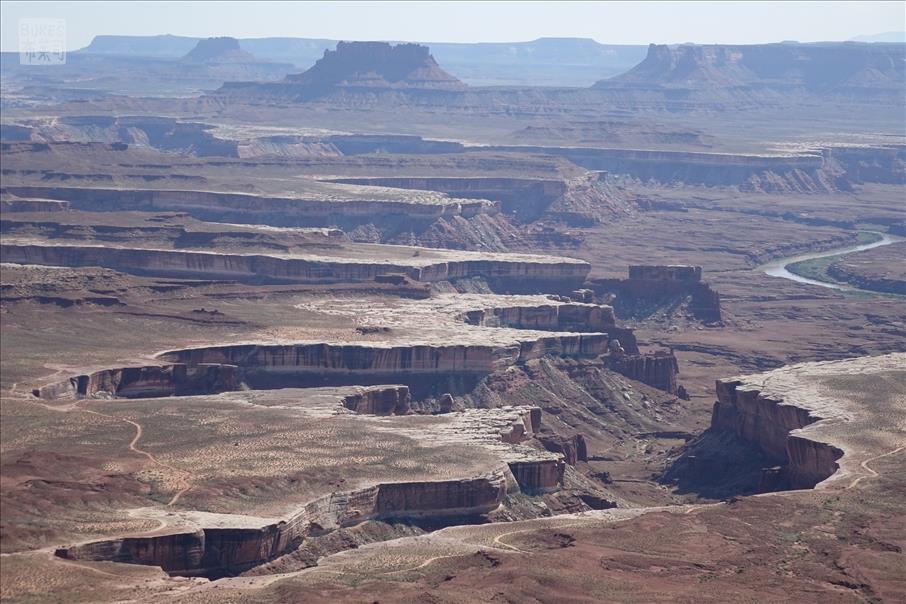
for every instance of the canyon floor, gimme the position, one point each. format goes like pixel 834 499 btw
pixel 450 345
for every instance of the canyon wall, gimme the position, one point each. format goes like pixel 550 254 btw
pixel 517 275
pixel 428 370
pixel 573 448
pixel 580 201
pixel 241 207
pixel 423 369
pixel 145 382
pixel 217 552
pixel 767 422
pixel 580 317
pixel 526 199
pixel 164 230
pixel 223 551
pixel 658 370
pixel 538 476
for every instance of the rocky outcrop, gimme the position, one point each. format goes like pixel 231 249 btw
pixel 425 369
pixel 525 426
pixel 325 358
pixel 145 382
pixel 658 370
pixel 357 144
pixel 874 163
pixel 380 400
pixel 655 284
pixel 579 317
pixel 538 476
pixel 158 132
pixel 428 370
pixel 767 422
pixel 573 448
pixel 672 273
pixel 554 317
pixel 165 230
pixel 233 544
pixel 817 170
pixel 705 303
pixel 580 201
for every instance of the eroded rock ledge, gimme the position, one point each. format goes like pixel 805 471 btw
pixel 358 263
pixel 231 544
pixel 654 283
pixel 358 206
pixel 215 552
pixel 419 354
pixel 807 417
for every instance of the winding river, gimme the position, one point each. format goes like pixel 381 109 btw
pixel 777 268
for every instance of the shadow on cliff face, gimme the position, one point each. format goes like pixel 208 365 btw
pixel 720 465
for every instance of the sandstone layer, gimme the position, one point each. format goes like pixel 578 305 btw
pixel 320 209
pixel 349 263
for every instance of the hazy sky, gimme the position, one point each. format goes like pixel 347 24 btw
pixel 607 22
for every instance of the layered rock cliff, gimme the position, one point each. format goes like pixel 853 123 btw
pixel 216 552
pixel 380 400
pixel 658 370
pixel 581 317
pixel 232 544
pixel 778 173
pixel 313 211
pixel 581 200
pixel 144 382
pixel 428 370
pixel 654 284
pixel 766 422
pixel 506 273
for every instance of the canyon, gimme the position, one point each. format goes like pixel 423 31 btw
pixel 297 319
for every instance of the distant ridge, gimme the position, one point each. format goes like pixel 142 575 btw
pixel 821 67
pixel 162 46
pixel 890 37
pixel 543 62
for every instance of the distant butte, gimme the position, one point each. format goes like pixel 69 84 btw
pixel 377 65
pixel 218 50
